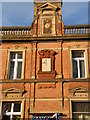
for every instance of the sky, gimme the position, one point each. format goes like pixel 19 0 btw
pixel 21 13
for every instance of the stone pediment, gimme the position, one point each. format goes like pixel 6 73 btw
pixel 79 92
pixel 79 89
pixel 48 6
pixel 12 93
pixel 14 90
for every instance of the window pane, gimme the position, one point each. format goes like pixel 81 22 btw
pixel 80 110
pixel 5 117
pixel 12 56
pixel 16 117
pixel 6 107
pixel 17 107
pixel 86 116
pixel 75 69
pixel 19 56
pixel 77 116
pixel 11 70
pixel 82 69
pixel 81 107
pixel 81 116
pixel 19 70
pixel 77 54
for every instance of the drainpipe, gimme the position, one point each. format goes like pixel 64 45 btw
pixel 62 73
pixel 35 70
pixel 62 67
pixel 37 23
pixel 29 101
pixel 35 60
pixel 31 59
pixel 36 56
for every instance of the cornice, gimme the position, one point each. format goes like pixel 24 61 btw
pixel 14 27
pixel 85 37
pixel 77 26
pixel 44 80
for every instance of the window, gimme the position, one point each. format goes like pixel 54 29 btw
pixel 78 63
pixel 11 111
pixel 81 110
pixel 15 68
pixel 15 64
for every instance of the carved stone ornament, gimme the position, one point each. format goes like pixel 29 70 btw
pixel 77 45
pixel 47 26
pixel 12 93
pixel 17 47
pixel 79 92
pixel 47 64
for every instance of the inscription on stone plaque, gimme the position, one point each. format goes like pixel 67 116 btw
pixel 81 94
pixel 46 64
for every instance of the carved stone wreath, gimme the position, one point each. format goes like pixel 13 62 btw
pixel 47 26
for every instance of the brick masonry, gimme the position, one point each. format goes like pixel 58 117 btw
pixel 45 96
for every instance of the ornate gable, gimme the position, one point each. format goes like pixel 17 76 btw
pixel 47 18
pixel 79 92
pixel 12 93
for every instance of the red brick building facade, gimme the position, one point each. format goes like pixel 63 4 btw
pixel 45 68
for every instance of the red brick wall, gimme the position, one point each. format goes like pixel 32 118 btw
pixel 47 95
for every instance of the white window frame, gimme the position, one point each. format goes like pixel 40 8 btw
pixel 82 115
pixel 16 60
pixel 11 113
pixel 78 59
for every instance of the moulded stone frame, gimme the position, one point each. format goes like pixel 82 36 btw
pixel 41 24
pixel 44 54
pixel 47 54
